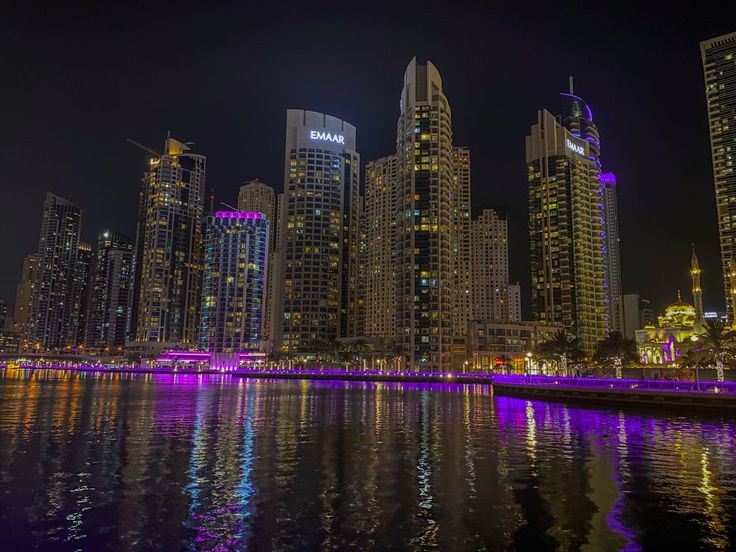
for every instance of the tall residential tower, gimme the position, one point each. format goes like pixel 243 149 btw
pixel 719 67
pixel 566 230
pixel 55 303
pixel 235 274
pixel 319 232
pixel 426 232
pixel 169 247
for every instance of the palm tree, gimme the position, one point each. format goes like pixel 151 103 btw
pixel 618 348
pixel 717 344
pixel 563 346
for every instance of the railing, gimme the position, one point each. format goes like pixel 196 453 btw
pixel 604 384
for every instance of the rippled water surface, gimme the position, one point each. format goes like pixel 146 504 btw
pixel 94 462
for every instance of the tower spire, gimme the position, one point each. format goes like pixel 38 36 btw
pixel 697 291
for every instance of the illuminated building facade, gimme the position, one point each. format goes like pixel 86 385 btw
pixel 463 308
pixel 515 302
pixel 380 228
pixel 489 266
pixel 82 286
pixel 169 247
pixel 234 290
pixel 672 338
pixel 55 294
pixel 719 67
pixel 492 344
pixel 613 254
pixel 567 230
pixel 111 294
pixel 426 232
pixel 23 313
pixel 319 232
pixel 257 197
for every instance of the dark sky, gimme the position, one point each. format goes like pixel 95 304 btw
pixel 81 77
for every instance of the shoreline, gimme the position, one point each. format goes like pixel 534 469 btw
pixel 704 395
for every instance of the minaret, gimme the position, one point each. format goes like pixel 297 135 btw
pixel 697 291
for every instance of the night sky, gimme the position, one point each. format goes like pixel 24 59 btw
pixel 80 78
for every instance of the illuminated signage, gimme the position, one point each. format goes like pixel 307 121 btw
pixel 326 136
pixel 710 314
pixel 576 148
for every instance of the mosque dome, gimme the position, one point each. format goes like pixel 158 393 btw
pixel 679 313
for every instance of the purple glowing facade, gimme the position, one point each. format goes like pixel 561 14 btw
pixel 234 287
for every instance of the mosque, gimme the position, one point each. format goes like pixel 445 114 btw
pixel 677 330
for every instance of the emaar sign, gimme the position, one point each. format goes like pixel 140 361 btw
pixel 576 148
pixel 323 136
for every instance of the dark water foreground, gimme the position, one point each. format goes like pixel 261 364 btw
pixel 94 462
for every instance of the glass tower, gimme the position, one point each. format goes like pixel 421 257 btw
pixel 719 67
pixel 55 295
pixel 426 230
pixel 318 280
pixel 235 275
pixel 566 231
pixel 169 247
pixel 108 319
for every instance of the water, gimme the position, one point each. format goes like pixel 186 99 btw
pixel 94 462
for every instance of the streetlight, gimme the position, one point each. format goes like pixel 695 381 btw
pixel 529 363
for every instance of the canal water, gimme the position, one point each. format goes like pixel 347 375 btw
pixel 123 462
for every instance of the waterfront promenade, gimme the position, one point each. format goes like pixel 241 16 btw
pixel 703 394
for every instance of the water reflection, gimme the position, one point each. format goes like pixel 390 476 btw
pixel 208 463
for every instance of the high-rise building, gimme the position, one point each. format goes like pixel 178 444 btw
pixel 319 233
pixel 257 197
pixel 55 295
pixel 380 227
pixel 81 292
pixel 169 247
pixel 111 294
pixel 23 313
pixel 426 232
pixel 235 275
pixel 631 313
pixel 515 302
pixel 3 313
pixel 461 218
pixel 613 255
pixel 489 262
pixel 719 67
pixel 567 229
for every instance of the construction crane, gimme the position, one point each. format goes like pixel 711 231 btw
pixel 144 148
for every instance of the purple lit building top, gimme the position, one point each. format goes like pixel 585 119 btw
pixel 239 214
pixel 608 178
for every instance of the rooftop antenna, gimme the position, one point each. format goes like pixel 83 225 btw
pixel 571 88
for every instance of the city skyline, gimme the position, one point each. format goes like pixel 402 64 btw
pixel 491 187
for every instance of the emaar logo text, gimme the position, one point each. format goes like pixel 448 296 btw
pixel 580 150
pixel 327 136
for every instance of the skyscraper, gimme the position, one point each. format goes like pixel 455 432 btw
pixel 380 228
pixel 111 293
pixel 489 261
pixel 613 255
pixel 257 197
pixel 319 231
pixel 23 313
pixel 566 230
pixel 461 218
pixel 426 232
pixel 235 274
pixel 515 302
pixel 3 313
pixel 55 295
pixel 169 247
pixel 719 67
pixel 81 291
